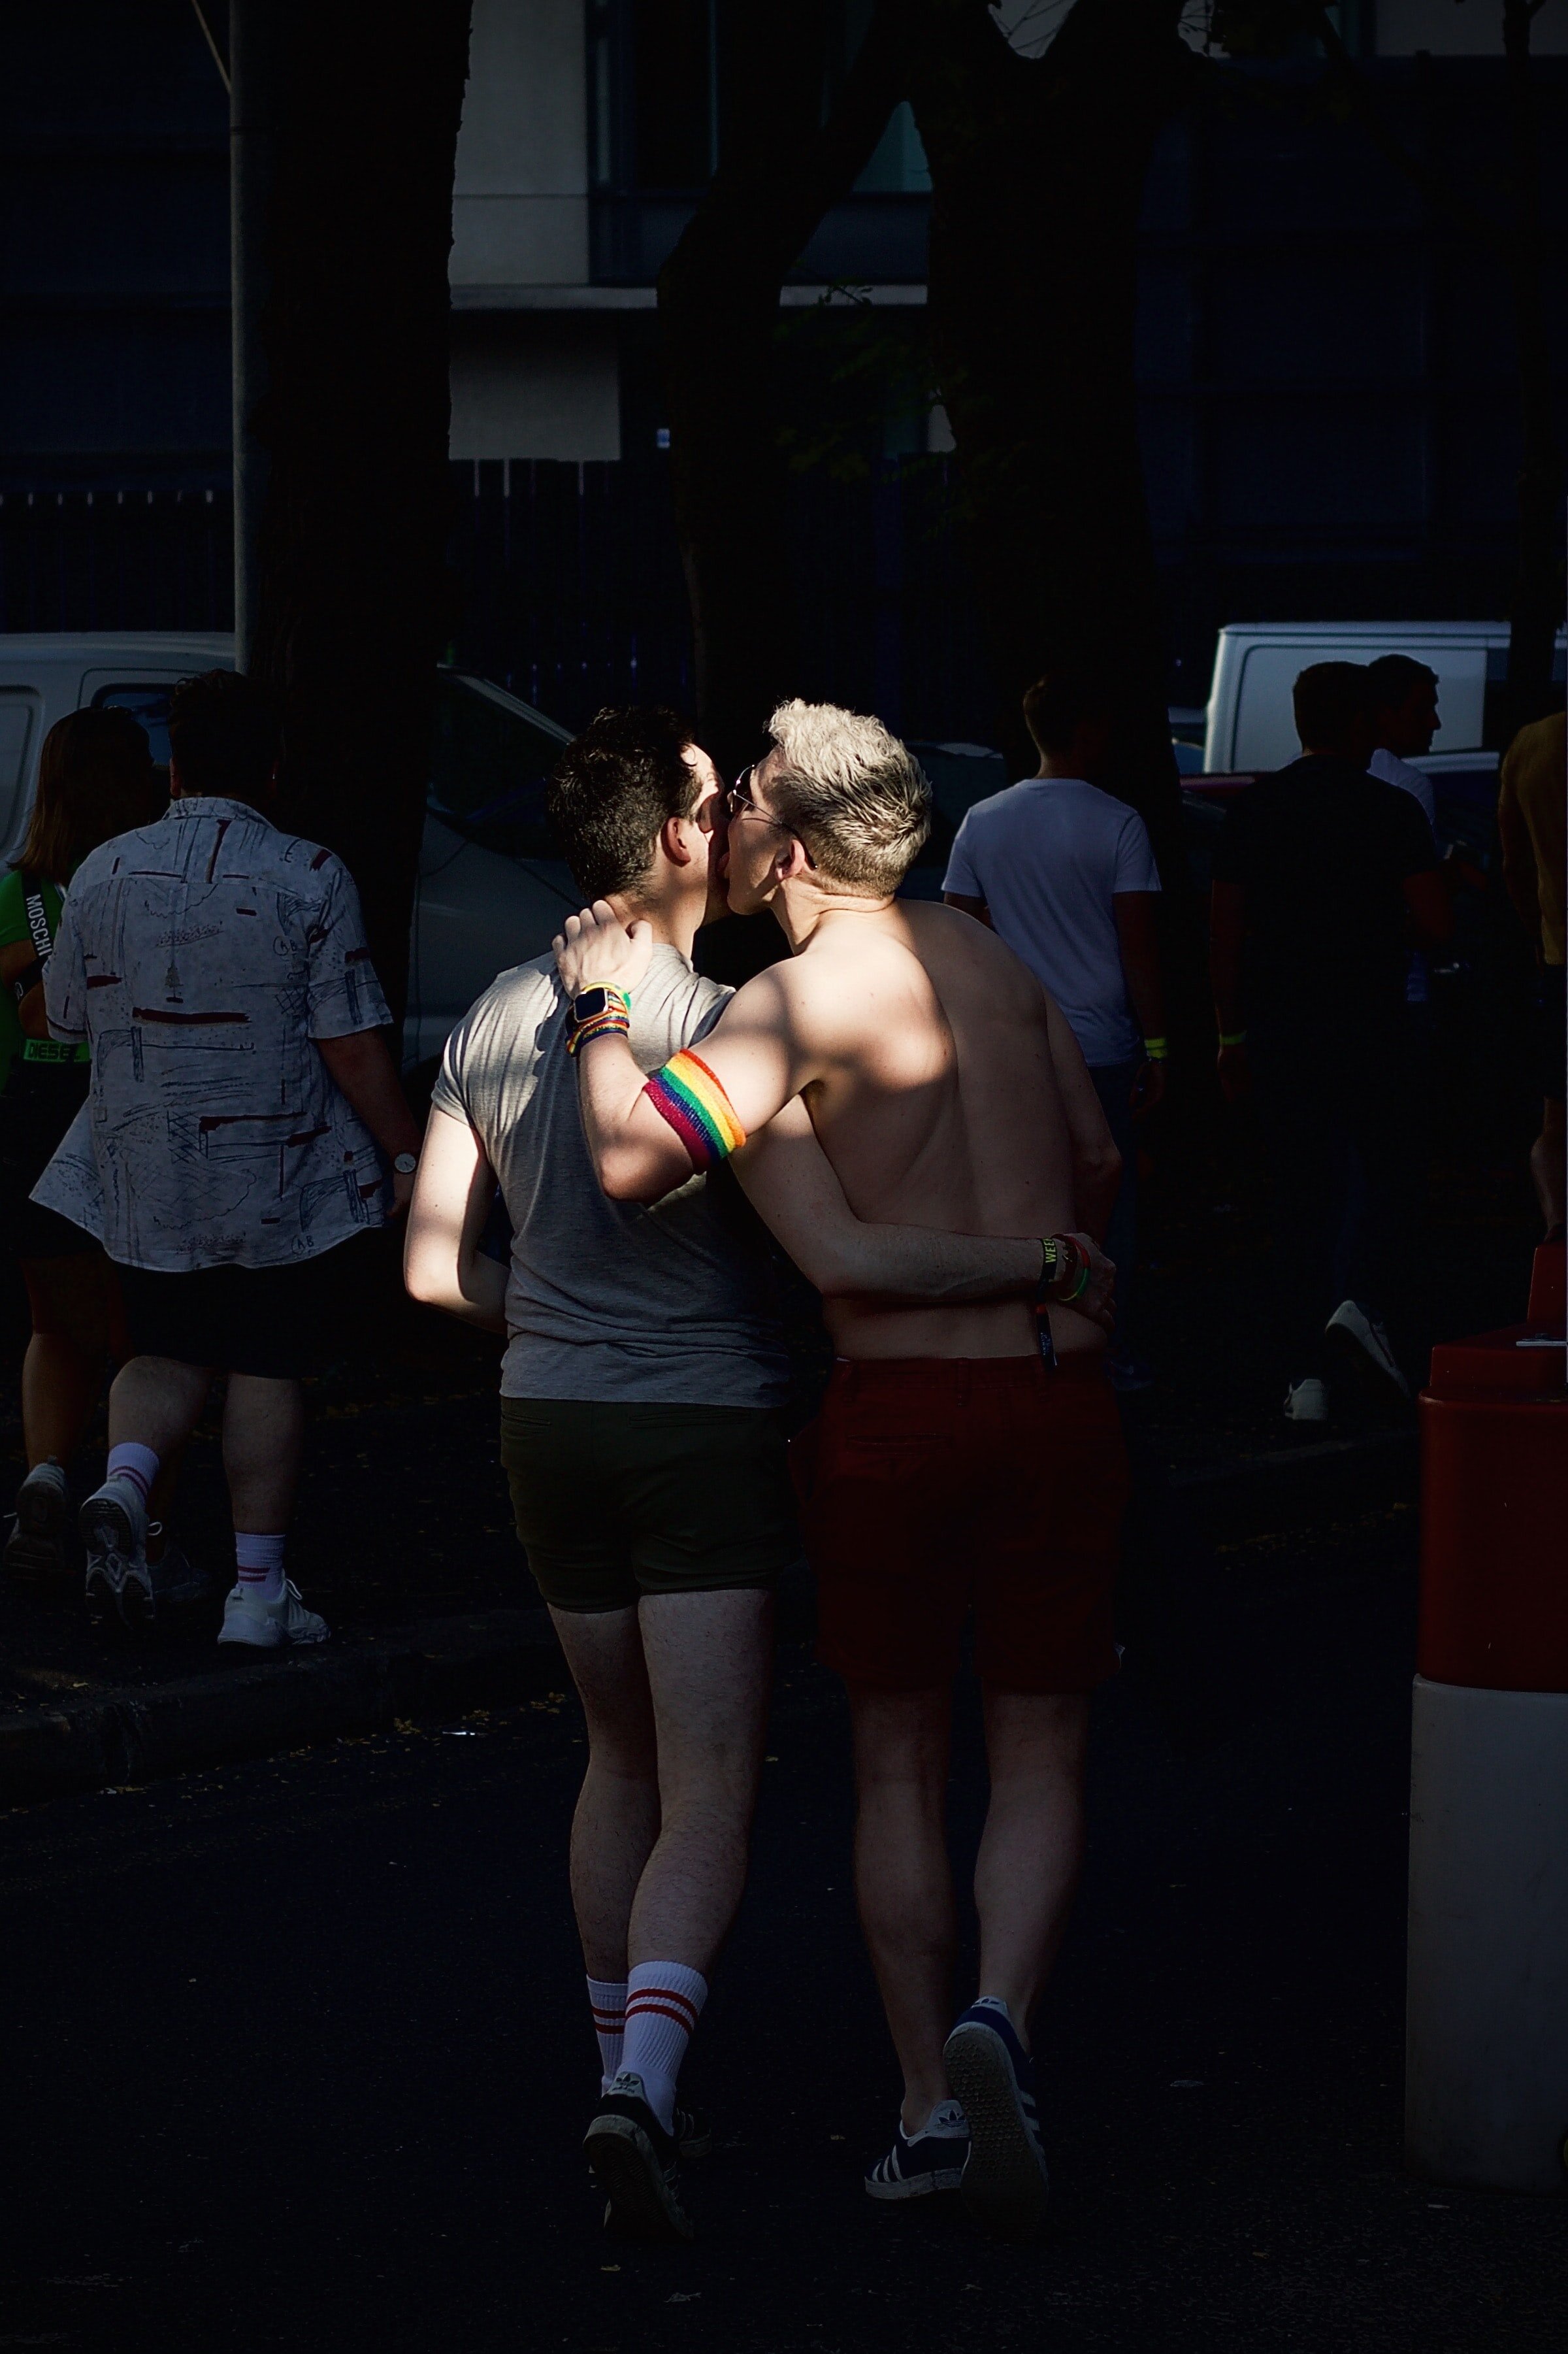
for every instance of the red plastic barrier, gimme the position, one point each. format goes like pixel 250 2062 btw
pixel 1494 1505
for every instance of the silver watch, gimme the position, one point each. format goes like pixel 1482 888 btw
pixel 406 1164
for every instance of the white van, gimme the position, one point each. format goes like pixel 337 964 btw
pixel 490 891
pixel 1250 727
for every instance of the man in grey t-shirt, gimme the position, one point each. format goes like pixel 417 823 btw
pixel 640 1425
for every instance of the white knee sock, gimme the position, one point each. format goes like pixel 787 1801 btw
pixel 664 2001
pixel 136 1463
pixel 259 1564
pixel 607 1998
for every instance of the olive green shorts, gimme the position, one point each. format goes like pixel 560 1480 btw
pixel 616 1501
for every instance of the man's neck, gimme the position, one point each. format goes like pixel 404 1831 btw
pixel 804 911
pixel 1064 772
pixel 672 927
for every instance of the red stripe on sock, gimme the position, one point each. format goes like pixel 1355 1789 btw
pixel 659 1994
pixel 686 2016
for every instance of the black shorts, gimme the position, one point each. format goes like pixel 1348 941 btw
pixel 276 1321
pixel 1551 1032
pixel 616 1500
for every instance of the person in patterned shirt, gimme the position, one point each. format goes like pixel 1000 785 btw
pixel 243 1104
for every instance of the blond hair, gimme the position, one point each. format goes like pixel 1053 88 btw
pixel 855 796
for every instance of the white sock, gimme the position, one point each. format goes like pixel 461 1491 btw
pixel 663 2002
pixel 607 1997
pixel 138 1465
pixel 946 2121
pixel 259 1561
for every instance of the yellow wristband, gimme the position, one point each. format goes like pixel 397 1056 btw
pixel 1232 1038
pixel 1156 1050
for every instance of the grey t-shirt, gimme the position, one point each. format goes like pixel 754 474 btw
pixel 672 1304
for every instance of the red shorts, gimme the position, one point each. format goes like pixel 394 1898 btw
pixel 930 1485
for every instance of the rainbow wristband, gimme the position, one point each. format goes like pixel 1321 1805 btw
pixel 687 1095
pixel 613 1019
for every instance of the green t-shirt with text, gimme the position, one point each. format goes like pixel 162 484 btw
pixel 13 927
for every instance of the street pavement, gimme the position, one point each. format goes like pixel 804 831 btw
pixel 296 2053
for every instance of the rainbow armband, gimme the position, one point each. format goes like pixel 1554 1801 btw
pixel 687 1095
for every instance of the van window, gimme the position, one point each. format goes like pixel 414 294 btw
pixel 147 703
pixel 1266 728
pixel 489 760
pixel 18 719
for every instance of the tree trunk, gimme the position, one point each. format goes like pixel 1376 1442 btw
pixel 1537 604
pixel 718 302
pixel 1037 169
pixel 352 602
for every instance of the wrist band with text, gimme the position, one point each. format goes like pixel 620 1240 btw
pixel 1062 1256
pixel 687 1095
pixel 1156 1050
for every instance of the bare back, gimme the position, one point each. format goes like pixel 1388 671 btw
pixel 938 1105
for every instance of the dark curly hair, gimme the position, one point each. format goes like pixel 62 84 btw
pixel 613 788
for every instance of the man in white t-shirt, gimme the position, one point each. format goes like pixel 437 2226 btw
pixel 1065 875
pixel 1404 717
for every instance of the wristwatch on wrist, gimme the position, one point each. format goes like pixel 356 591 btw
pixel 591 1003
pixel 405 1164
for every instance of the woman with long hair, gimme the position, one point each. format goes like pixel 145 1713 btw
pixel 96 778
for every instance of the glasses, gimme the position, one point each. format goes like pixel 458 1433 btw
pixel 735 800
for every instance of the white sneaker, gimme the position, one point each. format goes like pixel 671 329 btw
pixel 1306 1401
pixel 114 1524
pixel 268 1626
pixel 1351 1325
pixel 35 1550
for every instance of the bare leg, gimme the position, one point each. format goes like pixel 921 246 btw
pixel 709 1659
pixel 616 1817
pixel 63 1368
pixel 1027 1868
pixel 157 1402
pixel 263 1439
pixel 59 1389
pixel 903 1880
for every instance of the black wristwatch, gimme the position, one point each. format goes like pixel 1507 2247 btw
pixel 591 1003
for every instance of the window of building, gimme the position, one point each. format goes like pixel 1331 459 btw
pixel 665 101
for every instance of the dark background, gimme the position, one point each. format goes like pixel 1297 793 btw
pixel 1327 379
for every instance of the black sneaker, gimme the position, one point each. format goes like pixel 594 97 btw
pixel 634 2163
pixel 934 2160
pixel 1005 2184
pixel 694 2134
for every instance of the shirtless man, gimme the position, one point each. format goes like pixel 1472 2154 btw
pixel 951 1465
